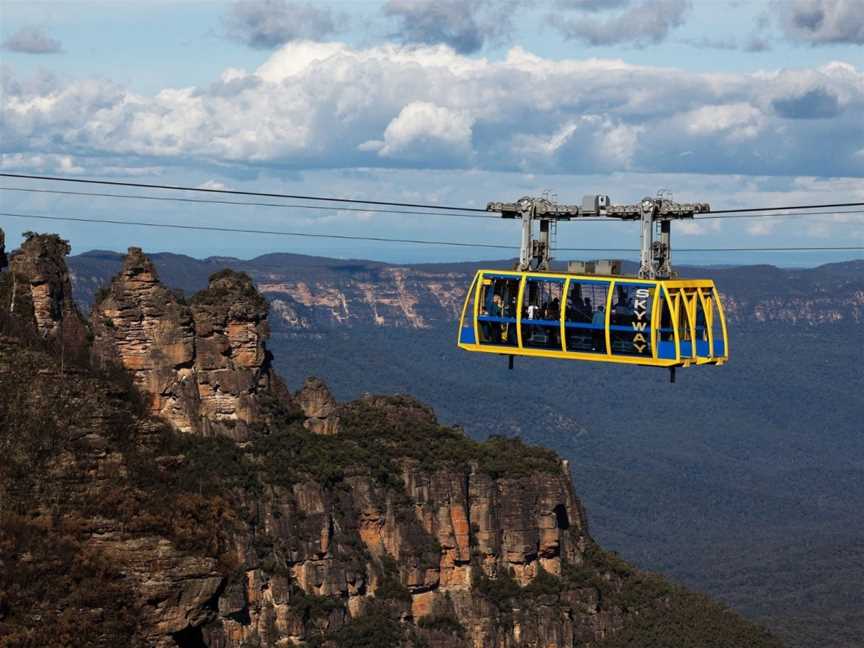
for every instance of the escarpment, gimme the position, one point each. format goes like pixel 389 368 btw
pixel 203 365
pixel 145 522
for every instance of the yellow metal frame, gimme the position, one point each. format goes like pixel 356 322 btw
pixel 676 293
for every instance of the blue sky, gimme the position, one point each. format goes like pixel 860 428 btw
pixel 735 103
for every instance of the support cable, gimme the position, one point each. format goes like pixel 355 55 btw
pixel 234 192
pixel 381 239
pixel 373 210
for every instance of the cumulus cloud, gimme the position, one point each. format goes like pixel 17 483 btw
pixel 328 105
pixel 423 130
pixel 820 22
pixel 641 24
pixel 32 40
pixel 267 24
pixel 464 26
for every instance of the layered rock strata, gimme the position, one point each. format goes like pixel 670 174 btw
pixel 203 365
pixel 319 406
pixel 40 289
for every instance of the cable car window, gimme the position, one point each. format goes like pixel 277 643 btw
pixel 630 319
pixel 541 313
pixel 585 319
pixel 496 317
pixel 466 333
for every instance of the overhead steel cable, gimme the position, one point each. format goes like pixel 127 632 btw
pixel 796 207
pixel 212 201
pixel 381 239
pixel 375 210
pixel 235 192
pixel 711 215
pixel 116 183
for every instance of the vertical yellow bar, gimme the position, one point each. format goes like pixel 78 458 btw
pixel 673 310
pixel 708 308
pixel 565 299
pixel 465 310
pixel 722 322
pixel 522 281
pixel 654 318
pixel 477 307
pixel 608 319
pixel 691 315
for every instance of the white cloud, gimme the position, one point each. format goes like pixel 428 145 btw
pixel 328 105
pixel 422 127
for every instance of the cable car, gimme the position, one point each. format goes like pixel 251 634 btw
pixel 625 320
pixel 654 319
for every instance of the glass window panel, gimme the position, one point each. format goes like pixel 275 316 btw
pixel 630 319
pixel 496 318
pixel 585 317
pixel 466 335
pixel 541 313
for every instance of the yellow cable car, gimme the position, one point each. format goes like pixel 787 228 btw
pixel 627 320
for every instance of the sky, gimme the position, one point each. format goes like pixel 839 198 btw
pixel 734 103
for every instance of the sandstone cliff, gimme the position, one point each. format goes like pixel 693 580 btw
pixel 40 291
pixel 204 365
pixel 124 522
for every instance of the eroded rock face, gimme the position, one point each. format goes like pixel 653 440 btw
pixel 319 406
pixel 3 260
pixel 203 365
pixel 41 288
pixel 150 331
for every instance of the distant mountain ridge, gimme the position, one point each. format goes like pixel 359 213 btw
pixel 314 292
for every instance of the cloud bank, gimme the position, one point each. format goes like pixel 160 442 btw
pixel 330 106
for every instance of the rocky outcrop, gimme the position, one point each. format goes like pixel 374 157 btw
pixel 39 290
pixel 3 261
pixel 147 328
pixel 319 406
pixel 204 365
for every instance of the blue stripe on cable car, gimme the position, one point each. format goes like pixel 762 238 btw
pixel 539 322
pixel 500 276
pixel 467 336
pixel 686 348
pixel 497 320
pixel 666 350
pixel 702 349
pixel 585 325
pixel 719 348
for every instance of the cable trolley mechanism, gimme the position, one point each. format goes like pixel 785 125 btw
pixel 590 311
